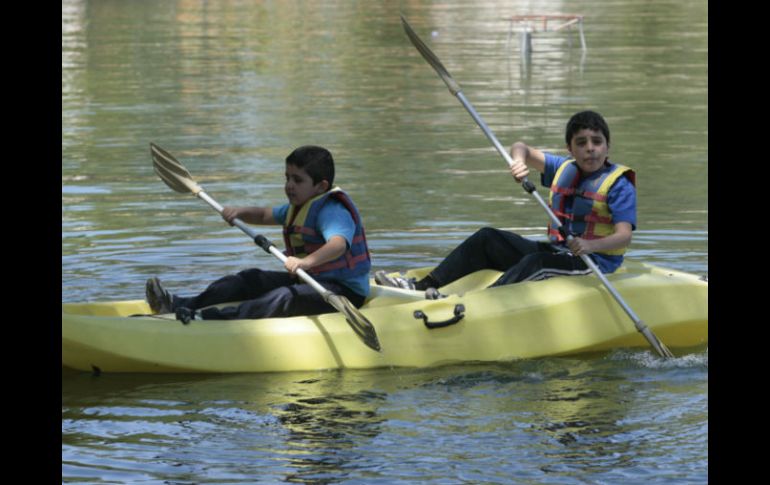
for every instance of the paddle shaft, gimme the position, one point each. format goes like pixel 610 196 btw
pixel 264 242
pixel 528 186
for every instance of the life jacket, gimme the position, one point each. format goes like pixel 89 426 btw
pixel 301 237
pixel 590 216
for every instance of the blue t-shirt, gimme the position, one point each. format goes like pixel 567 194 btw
pixel 621 201
pixel 333 220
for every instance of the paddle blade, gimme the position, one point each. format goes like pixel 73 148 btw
pixel 172 172
pixel 357 321
pixel 656 344
pixel 429 56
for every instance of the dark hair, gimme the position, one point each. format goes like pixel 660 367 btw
pixel 316 161
pixel 587 120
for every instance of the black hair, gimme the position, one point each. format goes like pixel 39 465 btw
pixel 316 161
pixel 587 120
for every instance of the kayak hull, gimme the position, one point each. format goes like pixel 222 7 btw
pixel 559 316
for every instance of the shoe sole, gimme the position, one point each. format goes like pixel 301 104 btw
pixel 153 290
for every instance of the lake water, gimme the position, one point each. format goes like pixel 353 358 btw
pixel 230 88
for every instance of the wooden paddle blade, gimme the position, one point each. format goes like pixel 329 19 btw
pixel 357 321
pixel 429 56
pixel 172 172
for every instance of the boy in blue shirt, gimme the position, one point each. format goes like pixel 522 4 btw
pixel 324 236
pixel 594 199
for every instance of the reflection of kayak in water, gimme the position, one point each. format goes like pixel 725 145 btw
pixel 559 316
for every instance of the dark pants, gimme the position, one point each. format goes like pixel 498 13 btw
pixel 264 294
pixel 520 258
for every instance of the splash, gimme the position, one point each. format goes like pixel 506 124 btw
pixel 649 360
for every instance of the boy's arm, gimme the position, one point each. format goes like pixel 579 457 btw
pixel 617 240
pixel 251 215
pixel 524 158
pixel 333 249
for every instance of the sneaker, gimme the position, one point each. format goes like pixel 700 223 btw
pixel 433 294
pixel 158 298
pixel 407 283
pixel 383 279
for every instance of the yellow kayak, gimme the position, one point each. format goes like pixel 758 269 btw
pixel 558 316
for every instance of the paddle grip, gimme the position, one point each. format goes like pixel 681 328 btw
pixel 528 186
pixel 263 242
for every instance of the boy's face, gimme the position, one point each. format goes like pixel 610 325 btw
pixel 590 149
pixel 299 186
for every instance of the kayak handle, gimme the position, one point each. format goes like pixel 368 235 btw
pixel 459 315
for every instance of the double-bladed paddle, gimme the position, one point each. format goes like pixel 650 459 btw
pixel 176 176
pixel 454 88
